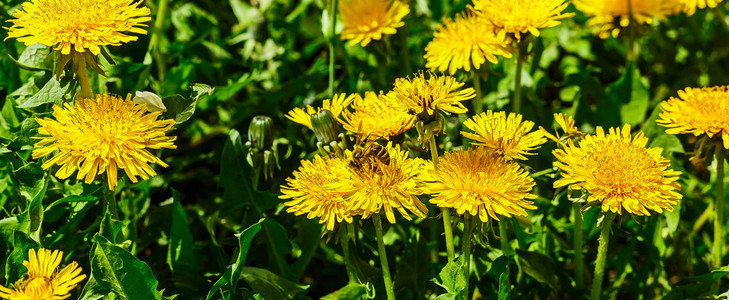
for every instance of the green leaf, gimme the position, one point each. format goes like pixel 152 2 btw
pixel 232 273
pixel 180 252
pixel 14 268
pixel 199 90
pixel 631 96
pixel 118 270
pixel 36 57
pixel 32 186
pixel 93 291
pixel 351 291
pixel 176 106
pixel 451 276
pixel 110 228
pixel 538 266
pixel 504 286
pixel 54 91
pixel 71 199
pixel 270 285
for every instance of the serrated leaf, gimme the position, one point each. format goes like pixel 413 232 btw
pixel 232 273
pixel 36 57
pixel 54 91
pixel 14 268
pixel 118 270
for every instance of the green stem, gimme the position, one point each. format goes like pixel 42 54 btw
pixel 718 247
pixel 631 33
pixel 505 246
pixel 83 79
pixel 333 28
pixel 466 240
pixel 517 80
pixel 601 255
pixel 478 102
pixel 383 258
pixel 110 203
pixel 446 213
pixel 579 282
pixel 345 248
pixel 158 24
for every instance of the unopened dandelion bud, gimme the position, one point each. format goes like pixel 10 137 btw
pixel 325 126
pixel 151 100
pixel 260 133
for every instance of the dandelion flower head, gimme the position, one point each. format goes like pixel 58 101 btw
pixel 467 40
pixel 100 135
pixel 610 16
pixel 698 111
pixel 481 183
pixel 377 116
pixel 505 135
pixel 336 106
pixel 312 192
pixel 43 279
pixel 522 16
pixel 423 96
pixel 78 24
pixel 690 6
pixel 618 170
pixel 384 186
pixel 367 20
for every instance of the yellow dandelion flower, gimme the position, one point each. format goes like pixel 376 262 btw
pixel 78 25
pixel 43 279
pixel 698 111
pixel 567 123
pixel 619 171
pixel 480 182
pixel 467 40
pixel 312 192
pixel 424 96
pixel 367 20
pixel 336 106
pixel 522 16
pixel 505 135
pixel 690 6
pixel 377 116
pixel 610 16
pixel 383 182
pixel 100 135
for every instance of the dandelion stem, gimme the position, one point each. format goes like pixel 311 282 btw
pixel 347 232
pixel 505 246
pixel 520 47
pixel 156 37
pixel 110 203
pixel 83 80
pixel 601 255
pixel 466 241
pixel 447 224
pixel 383 258
pixel 718 247
pixel 333 32
pixel 579 283
pixel 478 102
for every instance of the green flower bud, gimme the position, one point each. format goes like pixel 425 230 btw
pixel 325 126
pixel 260 132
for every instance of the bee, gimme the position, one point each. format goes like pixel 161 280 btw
pixel 365 155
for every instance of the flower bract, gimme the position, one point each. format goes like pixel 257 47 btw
pixel 336 105
pixel 100 135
